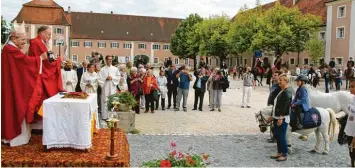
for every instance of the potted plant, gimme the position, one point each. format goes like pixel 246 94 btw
pixel 122 101
pixel 179 159
pixel 126 100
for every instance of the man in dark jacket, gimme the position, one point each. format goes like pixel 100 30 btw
pixel 200 87
pixel 351 62
pixel 169 62
pixel 274 91
pixel 173 83
pixel 80 72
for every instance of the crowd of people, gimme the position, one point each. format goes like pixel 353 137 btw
pixel 172 84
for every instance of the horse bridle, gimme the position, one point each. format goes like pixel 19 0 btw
pixel 262 121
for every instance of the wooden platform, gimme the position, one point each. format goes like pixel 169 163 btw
pixel 33 154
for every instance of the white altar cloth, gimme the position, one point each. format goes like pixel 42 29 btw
pixel 67 122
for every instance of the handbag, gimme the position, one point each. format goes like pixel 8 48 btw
pixel 155 94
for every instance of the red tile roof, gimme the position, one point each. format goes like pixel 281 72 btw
pixel 42 12
pixel 121 27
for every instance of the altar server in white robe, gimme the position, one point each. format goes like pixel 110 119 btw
pixel 69 77
pixel 89 80
pixel 109 79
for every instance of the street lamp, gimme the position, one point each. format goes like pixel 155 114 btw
pixel 60 41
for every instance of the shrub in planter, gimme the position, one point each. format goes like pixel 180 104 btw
pixel 179 159
pixel 121 98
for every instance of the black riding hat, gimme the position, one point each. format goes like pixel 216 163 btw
pixel 301 78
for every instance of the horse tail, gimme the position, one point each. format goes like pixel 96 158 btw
pixel 332 123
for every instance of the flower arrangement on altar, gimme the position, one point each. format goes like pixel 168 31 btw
pixel 121 99
pixel 179 159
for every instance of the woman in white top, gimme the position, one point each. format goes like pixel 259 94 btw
pixel 122 85
pixel 350 125
pixel 89 81
pixel 162 84
pixel 69 77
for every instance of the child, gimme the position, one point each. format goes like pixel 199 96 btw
pixel 350 125
pixel 338 77
pixel 326 77
pixel 300 103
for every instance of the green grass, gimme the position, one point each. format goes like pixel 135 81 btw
pixel 135 131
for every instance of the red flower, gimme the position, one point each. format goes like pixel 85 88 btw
pixel 190 160
pixel 173 144
pixel 172 154
pixel 205 156
pixel 181 155
pixel 165 163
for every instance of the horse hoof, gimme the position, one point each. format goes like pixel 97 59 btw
pixel 325 153
pixel 313 151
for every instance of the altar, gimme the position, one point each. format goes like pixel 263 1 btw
pixel 69 123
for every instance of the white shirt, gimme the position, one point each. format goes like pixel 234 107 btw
pixel 350 125
pixel 287 118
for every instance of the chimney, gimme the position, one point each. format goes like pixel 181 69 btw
pixel 111 12
pixel 90 11
pixel 68 9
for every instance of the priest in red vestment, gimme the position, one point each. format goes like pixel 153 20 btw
pixel 20 78
pixel 51 73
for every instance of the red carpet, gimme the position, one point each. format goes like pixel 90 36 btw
pixel 33 155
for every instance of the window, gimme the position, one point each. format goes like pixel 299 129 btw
pixel 186 61
pixel 75 58
pixel 75 43
pixel 87 57
pixel 142 46
pixel 292 61
pixel 210 61
pixel 127 45
pixel 340 32
pixel 156 60
pixel 87 44
pixel 156 47
pixel 166 47
pixel 57 42
pixel 101 44
pixel 176 61
pixel 59 31
pixel 27 29
pixel 127 58
pixel 341 11
pixel 245 61
pixel 114 45
pixel 305 61
pixel 339 61
pixel 322 35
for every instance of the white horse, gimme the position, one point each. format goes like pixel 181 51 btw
pixel 328 121
pixel 337 101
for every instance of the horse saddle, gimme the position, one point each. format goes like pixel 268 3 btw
pixel 311 118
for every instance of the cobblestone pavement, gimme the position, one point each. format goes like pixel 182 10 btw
pixel 235 150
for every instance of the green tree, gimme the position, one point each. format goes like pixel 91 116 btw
pixel 244 29
pixel 315 48
pixel 212 33
pixel 184 42
pixel 275 31
pixel 4 30
pixel 304 26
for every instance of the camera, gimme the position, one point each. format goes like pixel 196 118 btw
pixel 50 55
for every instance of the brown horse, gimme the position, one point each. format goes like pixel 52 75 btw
pixel 349 75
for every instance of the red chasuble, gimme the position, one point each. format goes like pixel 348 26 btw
pixel 19 75
pixel 51 74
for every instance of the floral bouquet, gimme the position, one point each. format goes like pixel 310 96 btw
pixel 179 159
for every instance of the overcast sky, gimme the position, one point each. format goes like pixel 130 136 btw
pixel 161 8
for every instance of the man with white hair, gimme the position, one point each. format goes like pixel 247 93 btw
pixel 21 87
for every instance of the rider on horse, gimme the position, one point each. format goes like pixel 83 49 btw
pixel 300 103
